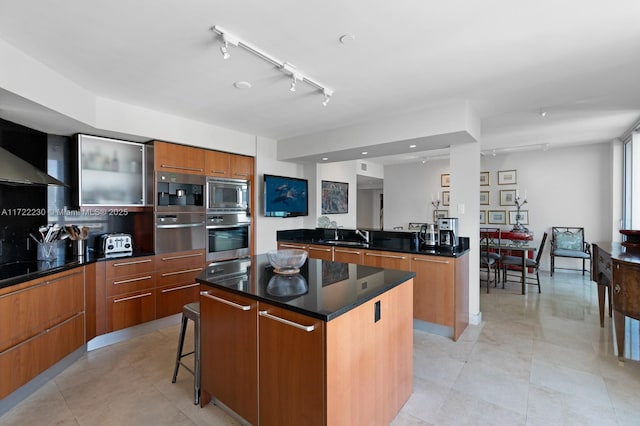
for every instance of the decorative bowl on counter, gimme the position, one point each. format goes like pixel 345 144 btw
pixel 287 261
pixel 287 285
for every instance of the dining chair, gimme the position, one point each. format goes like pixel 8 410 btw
pixel 515 263
pixel 569 242
pixel 487 261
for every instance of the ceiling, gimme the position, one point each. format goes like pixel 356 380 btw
pixel 578 61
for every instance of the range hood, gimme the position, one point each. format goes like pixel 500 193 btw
pixel 16 171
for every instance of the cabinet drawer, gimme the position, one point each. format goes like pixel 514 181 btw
pixel 180 260
pixel 171 299
pixel 285 246
pixel 385 259
pixel 128 266
pixel 123 285
pixel 181 276
pixel 604 264
pixel 132 309
pixel 347 255
pixel 320 252
pixel 23 362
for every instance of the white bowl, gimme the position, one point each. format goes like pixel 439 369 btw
pixel 287 261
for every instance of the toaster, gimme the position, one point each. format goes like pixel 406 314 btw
pixel 115 245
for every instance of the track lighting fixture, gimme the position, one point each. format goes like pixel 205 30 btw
pixel 296 76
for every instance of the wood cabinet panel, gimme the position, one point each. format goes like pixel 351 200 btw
pixel 217 164
pixel 320 252
pixel 171 299
pixel 131 283
pixel 47 301
pixel 229 352
pixel 241 167
pixel 128 266
pixel 21 363
pixel 291 368
pixel 347 255
pixel 131 309
pixel 387 259
pixel 284 246
pixel 178 158
pixel 180 260
pixel 433 291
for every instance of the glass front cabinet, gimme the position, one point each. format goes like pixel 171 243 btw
pixel 111 172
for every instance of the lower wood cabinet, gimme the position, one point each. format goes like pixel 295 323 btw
pixel 387 259
pixel 42 322
pixel 441 291
pixel 175 280
pixel 229 351
pixel 291 368
pixel 320 252
pixel 348 255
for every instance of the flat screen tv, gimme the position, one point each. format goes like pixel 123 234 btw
pixel 285 196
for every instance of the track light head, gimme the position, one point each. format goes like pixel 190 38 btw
pixel 327 96
pixel 224 49
pixel 292 88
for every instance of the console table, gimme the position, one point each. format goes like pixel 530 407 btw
pixel 617 271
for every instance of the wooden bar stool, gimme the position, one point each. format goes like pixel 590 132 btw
pixel 191 312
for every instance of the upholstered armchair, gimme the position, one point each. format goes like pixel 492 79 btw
pixel 569 242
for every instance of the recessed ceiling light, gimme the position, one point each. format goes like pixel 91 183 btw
pixel 412 146
pixel 347 38
pixel 325 158
pixel 543 113
pixel 242 85
pixel 364 152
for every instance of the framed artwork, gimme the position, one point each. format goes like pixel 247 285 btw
pixel 524 217
pixel 484 178
pixel 507 177
pixel 483 216
pixel 415 226
pixel 439 214
pixel 507 197
pixel 445 180
pixel 335 197
pixel 497 217
pixel 445 198
pixel 485 199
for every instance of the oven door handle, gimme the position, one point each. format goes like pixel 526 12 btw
pixel 180 225
pixel 235 225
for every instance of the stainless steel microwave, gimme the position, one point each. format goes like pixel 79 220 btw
pixel 227 195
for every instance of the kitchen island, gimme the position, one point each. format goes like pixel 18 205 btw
pixel 330 345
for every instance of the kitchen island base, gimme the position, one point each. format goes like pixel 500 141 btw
pixel 290 368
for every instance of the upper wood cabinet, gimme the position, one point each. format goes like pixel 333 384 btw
pixel 177 158
pixel 223 164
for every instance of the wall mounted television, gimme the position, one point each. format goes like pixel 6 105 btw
pixel 285 196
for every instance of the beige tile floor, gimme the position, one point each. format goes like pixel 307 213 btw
pixel 539 359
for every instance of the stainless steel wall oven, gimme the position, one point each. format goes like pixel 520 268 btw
pixel 228 235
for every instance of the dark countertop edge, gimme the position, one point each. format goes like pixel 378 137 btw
pixel 71 264
pixel 326 317
pixel 442 253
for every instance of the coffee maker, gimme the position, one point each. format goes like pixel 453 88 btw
pixel 448 232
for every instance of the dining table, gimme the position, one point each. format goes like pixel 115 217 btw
pixel 523 248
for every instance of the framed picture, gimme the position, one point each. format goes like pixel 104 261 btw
pixel 445 180
pixel 335 197
pixel 507 177
pixel 439 214
pixel 445 198
pixel 507 197
pixel 484 178
pixel 497 217
pixel 483 216
pixel 485 199
pixel 524 217
pixel 415 226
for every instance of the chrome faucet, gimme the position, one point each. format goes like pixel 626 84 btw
pixel 364 235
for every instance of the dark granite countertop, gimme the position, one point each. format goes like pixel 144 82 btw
pixel 323 289
pixel 401 242
pixel 13 273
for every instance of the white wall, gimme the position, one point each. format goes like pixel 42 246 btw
pixel 266 227
pixel 565 187
pixel 365 208
pixel 408 191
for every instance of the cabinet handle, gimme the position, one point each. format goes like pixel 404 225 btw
pixel 241 174
pixel 180 225
pixel 180 257
pixel 319 249
pixel 226 302
pixel 347 251
pixel 168 274
pixel 124 299
pixel 617 288
pixel 130 280
pixel 135 262
pixel 218 172
pixel 171 166
pixel 385 255
pixel 307 328
pixel 182 287
pixel 292 246
pixel 419 259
